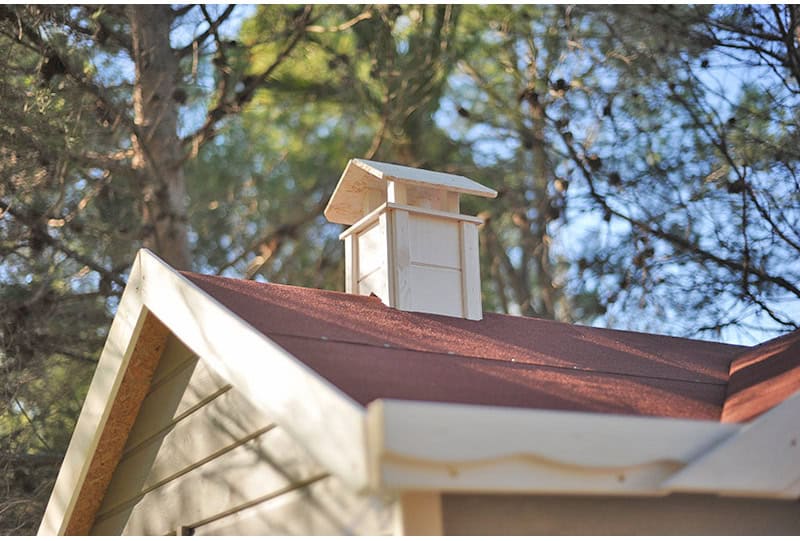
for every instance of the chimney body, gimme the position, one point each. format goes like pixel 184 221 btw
pixel 407 242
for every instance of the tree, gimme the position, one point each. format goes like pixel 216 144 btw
pixel 646 159
pixel 366 82
pixel 511 98
pixel 665 202
pixel 104 106
pixel 699 167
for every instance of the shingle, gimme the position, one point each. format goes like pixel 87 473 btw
pixel 371 351
pixel 762 377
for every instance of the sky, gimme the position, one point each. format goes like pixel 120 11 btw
pixel 569 239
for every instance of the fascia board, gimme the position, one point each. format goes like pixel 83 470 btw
pixel 329 423
pixel 761 459
pixel 108 375
pixel 454 447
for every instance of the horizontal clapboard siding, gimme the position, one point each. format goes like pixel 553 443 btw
pixel 264 465
pixel 199 455
pixel 324 507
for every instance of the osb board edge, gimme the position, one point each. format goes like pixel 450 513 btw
pixel 144 359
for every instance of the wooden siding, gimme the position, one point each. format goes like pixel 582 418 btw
pixel 581 515
pixel 201 457
pixel 323 507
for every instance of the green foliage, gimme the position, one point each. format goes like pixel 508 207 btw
pixel 646 159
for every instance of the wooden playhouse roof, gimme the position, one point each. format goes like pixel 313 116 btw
pixel 391 401
pixel 370 352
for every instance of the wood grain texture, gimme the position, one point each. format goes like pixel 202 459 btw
pixel 173 398
pixel 429 446
pixel 400 247
pixel 435 290
pixel 434 241
pixel 371 249
pixel 762 459
pixel 350 265
pixel 360 177
pixel 150 345
pixel 202 450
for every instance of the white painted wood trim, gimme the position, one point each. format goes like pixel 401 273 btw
pixel 761 459
pixel 470 272
pixel 351 198
pixel 326 421
pixel 363 223
pixel 116 354
pixel 453 447
pixel 396 192
pixel 399 248
pixel 386 224
pixel 435 213
pixel 367 220
pixel 350 265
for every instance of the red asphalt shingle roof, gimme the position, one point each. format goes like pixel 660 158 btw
pixel 371 351
pixel 762 377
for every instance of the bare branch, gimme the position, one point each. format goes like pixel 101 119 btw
pixel 227 106
pixel 341 27
pixel 213 26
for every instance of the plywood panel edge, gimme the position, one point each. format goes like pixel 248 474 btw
pixel 126 327
pixel 133 387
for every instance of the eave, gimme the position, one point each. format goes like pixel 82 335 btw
pixel 461 448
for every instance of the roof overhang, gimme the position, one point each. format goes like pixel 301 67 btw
pixel 360 176
pixel 464 448
pixel 397 445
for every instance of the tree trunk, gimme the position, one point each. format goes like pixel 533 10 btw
pixel 157 148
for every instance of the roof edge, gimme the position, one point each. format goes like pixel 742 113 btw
pixel 283 387
pixel 761 460
pixel 465 448
pixel 359 175
pixel 406 175
pixel 97 406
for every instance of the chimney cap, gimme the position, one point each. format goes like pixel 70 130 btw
pixel 346 203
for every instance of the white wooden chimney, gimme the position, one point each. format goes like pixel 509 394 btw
pixel 407 242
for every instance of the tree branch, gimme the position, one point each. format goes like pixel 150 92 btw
pixel 59 245
pixel 213 26
pixel 344 26
pixel 227 106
